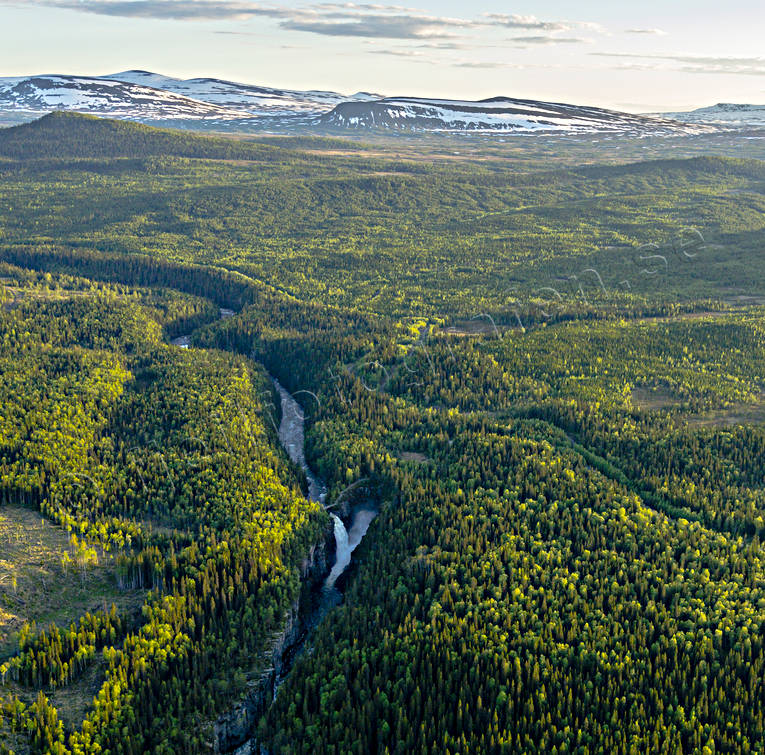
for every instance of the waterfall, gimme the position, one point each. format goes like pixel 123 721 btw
pixel 343 552
pixel 292 438
pixel 291 435
pixel 346 541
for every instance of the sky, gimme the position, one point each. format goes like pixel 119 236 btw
pixel 640 57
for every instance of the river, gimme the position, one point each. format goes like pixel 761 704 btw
pixel 292 438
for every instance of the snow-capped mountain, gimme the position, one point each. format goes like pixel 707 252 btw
pixel 496 114
pixel 245 98
pixel 151 97
pixel 101 96
pixel 208 103
pixel 725 114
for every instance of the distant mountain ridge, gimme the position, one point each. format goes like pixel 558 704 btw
pixel 243 98
pixel 497 114
pixel 102 96
pixel 149 97
pixel 726 114
pixel 220 105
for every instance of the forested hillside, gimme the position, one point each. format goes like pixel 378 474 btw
pixel 161 461
pixel 73 135
pixel 556 375
pixel 563 570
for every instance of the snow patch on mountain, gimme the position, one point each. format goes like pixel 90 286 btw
pixel 246 98
pixel 496 114
pixel 146 96
pixel 210 103
pixel 106 97
pixel 725 114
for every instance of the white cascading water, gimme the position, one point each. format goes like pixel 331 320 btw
pixel 292 438
pixel 347 540
pixel 343 552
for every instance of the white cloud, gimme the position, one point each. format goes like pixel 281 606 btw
pixel 546 40
pixel 653 32
pixel 526 22
pixel 690 63
pixel 327 19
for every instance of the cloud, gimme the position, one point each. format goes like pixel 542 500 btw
pixel 545 40
pixel 526 22
pixel 655 32
pixel 532 23
pixel 329 19
pixel 403 54
pixel 404 26
pixel 487 64
pixel 371 21
pixel 449 45
pixel 690 63
pixel 177 10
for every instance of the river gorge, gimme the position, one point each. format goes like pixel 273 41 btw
pixel 321 584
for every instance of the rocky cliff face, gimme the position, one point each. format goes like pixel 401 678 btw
pixel 234 730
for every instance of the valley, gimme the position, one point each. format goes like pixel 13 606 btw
pixel 379 452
